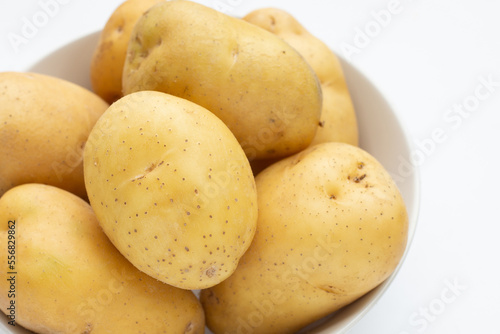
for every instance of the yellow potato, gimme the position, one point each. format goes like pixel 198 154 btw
pixel 44 124
pixel 68 277
pixel 171 188
pixel 258 85
pixel 109 56
pixel 338 119
pixel 332 225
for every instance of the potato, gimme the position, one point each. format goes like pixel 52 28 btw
pixel 109 56
pixel 70 279
pixel 258 85
pixel 338 119
pixel 44 124
pixel 172 188
pixel 332 225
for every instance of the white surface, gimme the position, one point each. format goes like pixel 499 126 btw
pixel 427 59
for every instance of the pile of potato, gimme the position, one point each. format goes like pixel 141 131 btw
pixel 216 155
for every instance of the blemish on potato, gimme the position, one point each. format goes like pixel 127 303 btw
pixel 88 329
pixel 358 179
pixel 210 272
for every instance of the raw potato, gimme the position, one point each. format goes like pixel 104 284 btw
pixel 172 188
pixel 338 119
pixel 332 225
pixel 259 86
pixel 44 124
pixel 109 56
pixel 70 278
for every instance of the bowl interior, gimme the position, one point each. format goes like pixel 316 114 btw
pixel 381 134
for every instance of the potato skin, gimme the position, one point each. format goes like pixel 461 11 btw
pixel 70 278
pixel 332 225
pixel 172 188
pixel 44 124
pixel 106 67
pixel 258 85
pixel 338 118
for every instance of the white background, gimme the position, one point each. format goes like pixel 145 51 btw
pixel 430 59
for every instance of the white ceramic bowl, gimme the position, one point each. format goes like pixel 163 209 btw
pixel 381 134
